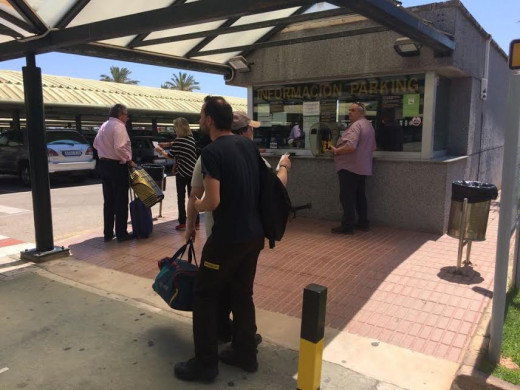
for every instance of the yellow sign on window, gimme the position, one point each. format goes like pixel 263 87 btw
pixel 514 54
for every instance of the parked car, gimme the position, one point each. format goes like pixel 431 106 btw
pixel 68 153
pixel 143 151
pixel 89 136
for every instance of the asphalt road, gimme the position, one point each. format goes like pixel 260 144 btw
pixel 76 207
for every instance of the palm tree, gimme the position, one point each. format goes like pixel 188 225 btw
pixel 182 82
pixel 118 75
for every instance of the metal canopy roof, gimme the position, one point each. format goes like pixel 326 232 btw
pixel 198 35
pixel 80 93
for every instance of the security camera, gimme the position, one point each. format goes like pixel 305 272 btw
pixel 230 75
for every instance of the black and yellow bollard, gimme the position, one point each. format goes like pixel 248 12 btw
pixel 311 337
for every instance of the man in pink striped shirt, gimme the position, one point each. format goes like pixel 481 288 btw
pixel 115 155
pixel 353 162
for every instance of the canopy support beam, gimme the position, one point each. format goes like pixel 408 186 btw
pixel 38 166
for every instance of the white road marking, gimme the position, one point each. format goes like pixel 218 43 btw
pixel 13 249
pixel 4 370
pixel 12 210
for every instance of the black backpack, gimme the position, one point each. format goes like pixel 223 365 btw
pixel 275 204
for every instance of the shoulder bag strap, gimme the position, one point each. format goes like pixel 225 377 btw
pixel 191 252
pixel 180 252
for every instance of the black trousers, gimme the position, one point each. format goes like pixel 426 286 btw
pixel 353 199
pixel 183 184
pixel 115 182
pixel 222 266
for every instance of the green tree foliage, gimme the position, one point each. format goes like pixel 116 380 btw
pixel 182 82
pixel 118 75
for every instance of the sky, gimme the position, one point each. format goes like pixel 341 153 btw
pixel 499 18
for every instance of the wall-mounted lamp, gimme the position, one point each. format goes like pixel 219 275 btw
pixel 405 47
pixel 239 64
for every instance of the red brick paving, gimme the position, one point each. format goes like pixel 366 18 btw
pixel 9 241
pixel 388 284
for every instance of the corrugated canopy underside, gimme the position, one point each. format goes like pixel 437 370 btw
pixel 67 91
pixel 188 34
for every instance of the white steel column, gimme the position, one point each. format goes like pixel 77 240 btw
pixel 250 102
pixel 428 126
pixel 506 222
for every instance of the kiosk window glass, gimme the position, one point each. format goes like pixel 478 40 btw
pixel 442 113
pixel 293 115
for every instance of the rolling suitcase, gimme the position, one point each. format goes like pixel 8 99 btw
pixel 141 216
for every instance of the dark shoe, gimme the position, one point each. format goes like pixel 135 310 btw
pixel 230 357
pixel 191 371
pixel 127 237
pixel 363 227
pixel 341 230
pixel 226 338
pixel 108 238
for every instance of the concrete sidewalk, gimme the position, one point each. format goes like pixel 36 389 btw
pixel 396 314
pixel 60 333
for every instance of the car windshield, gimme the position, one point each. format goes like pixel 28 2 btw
pixel 65 138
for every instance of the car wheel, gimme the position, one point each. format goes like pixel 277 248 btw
pixel 25 174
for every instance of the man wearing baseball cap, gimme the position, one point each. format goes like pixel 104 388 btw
pixel 243 125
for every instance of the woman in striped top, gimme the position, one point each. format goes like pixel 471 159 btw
pixel 184 151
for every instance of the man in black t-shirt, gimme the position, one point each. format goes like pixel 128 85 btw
pixel 230 167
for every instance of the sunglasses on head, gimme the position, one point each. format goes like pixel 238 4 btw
pixel 360 105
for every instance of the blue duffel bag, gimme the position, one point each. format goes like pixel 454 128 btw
pixel 176 278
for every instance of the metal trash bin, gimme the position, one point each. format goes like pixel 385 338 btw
pixel 479 196
pixel 156 171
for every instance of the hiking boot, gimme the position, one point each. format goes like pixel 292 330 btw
pixel 341 230
pixel 193 372
pixel 230 357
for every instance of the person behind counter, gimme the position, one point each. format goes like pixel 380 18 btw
pixel 296 136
